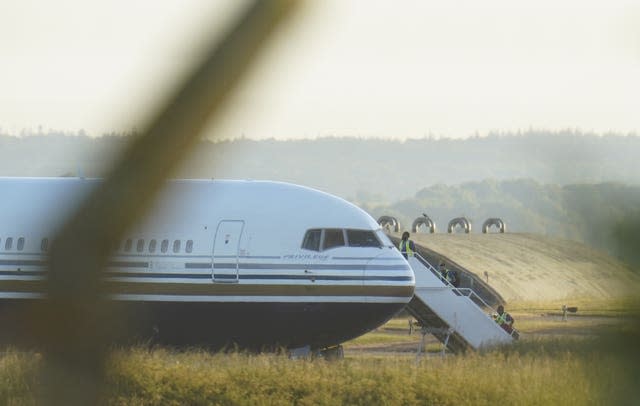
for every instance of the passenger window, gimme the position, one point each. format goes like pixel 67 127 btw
pixel 8 243
pixel 20 243
pixel 152 246
pixel 176 246
pixel 127 245
pixel 311 240
pixel 362 238
pixel 140 245
pixel 333 238
pixel 44 245
pixel 189 247
pixel 164 246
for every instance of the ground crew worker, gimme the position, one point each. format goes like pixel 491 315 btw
pixel 443 271
pixel 504 319
pixel 448 275
pixel 406 246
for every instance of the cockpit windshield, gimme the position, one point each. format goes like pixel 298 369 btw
pixel 384 239
pixel 312 240
pixel 333 238
pixel 362 238
pixel 328 238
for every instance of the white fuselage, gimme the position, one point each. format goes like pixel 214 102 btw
pixel 269 253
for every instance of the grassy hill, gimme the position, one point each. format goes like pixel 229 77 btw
pixel 529 268
pixel 604 215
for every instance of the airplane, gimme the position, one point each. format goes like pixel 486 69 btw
pixel 219 263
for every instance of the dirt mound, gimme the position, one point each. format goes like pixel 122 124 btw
pixel 531 268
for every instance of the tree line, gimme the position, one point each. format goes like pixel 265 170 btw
pixel 566 183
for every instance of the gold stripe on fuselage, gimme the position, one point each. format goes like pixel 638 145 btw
pixel 221 289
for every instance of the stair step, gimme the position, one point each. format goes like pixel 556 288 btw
pixel 438 305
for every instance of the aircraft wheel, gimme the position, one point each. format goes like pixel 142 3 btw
pixel 333 353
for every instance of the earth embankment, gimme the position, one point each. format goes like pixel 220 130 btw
pixel 535 268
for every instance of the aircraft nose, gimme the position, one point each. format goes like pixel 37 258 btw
pixel 390 275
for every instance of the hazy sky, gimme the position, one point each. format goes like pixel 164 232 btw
pixel 360 68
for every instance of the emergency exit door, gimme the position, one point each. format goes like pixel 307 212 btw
pixel 225 251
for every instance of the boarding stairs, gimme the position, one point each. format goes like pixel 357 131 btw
pixel 458 318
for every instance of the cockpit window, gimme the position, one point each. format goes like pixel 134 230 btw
pixel 362 238
pixel 312 240
pixel 384 238
pixel 333 238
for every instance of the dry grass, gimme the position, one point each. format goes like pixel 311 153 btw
pixel 18 377
pixel 380 338
pixel 554 325
pixel 556 371
pixel 528 374
pixel 161 377
pixel 529 267
pixel 621 306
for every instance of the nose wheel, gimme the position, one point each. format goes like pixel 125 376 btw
pixel 332 353
pixel 329 354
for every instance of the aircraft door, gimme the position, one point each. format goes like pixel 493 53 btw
pixel 225 251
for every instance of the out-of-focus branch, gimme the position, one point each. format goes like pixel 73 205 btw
pixel 76 324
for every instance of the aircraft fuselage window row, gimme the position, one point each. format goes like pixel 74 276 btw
pixel 128 245
pixel 327 238
pixel 153 246
pixel 314 240
pixel 8 244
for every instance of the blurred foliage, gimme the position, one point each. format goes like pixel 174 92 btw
pixel 372 171
pixel 539 182
pixel 603 215
pixel 627 236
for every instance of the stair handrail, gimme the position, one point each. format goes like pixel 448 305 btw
pixel 490 315
pixel 474 294
pixel 458 291
pixel 433 270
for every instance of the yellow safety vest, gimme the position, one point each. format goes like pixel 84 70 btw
pixel 406 249
pixel 450 276
pixel 501 318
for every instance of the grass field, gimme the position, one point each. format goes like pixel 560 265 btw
pixel 597 368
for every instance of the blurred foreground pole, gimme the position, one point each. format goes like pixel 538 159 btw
pixel 76 324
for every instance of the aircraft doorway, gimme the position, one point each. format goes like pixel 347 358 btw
pixel 225 251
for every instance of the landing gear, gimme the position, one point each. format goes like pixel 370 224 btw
pixel 301 353
pixel 329 354
pixel 446 332
pixel 332 353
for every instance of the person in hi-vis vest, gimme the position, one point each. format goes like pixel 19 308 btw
pixel 406 246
